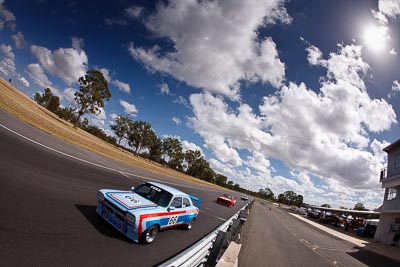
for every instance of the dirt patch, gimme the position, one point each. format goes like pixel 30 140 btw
pixel 26 109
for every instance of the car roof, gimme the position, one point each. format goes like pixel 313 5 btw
pixel 170 189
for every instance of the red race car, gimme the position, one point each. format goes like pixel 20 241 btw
pixel 227 200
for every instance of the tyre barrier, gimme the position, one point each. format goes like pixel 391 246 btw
pixel 208 250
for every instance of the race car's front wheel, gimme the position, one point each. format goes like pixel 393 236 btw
pixel 150 234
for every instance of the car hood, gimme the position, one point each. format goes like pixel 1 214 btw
pixel 129 200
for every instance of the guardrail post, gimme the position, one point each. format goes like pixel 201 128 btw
pixel 216 248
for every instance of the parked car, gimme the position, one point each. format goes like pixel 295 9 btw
pixel 227 200
pixel 244 197
pixel 302 211
pixel 142 212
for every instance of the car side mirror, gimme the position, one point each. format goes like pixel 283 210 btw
pixel 171 208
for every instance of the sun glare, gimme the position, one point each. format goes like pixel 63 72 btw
pixel 375 37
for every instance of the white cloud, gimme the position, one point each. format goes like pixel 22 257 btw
pixel 102 114
pixel 106 74
pixel 164 89
pixel 322 134
pixel 7 16
pixel 214 49
pixel 98 122
pixel 68 64
pixel 7 64
pixel 176 120
pixel 389 8
pixel 77 44
pixel 68 94
pixel 186 145
pixel 37 75
pixel 396 86
pixel 315 56
pixel 213 122
pixel 124 87
pixel 182 101
pixel 128 108
pixel 259 162
pixel 134 11
pixel 22 81
pixel 99 119
pixel 114 116
pixel 19 40
pixel 112 22
pixel 331 122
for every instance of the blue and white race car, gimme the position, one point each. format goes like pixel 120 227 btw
pixel 146 209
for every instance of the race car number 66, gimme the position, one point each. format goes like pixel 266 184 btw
pixel 173 220
pixel 131 199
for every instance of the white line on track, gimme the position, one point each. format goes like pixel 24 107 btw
pixel 219 218
pixel 126 174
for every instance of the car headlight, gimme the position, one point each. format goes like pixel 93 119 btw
pixel 100 196
pixel 130 218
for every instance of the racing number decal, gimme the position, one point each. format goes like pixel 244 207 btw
pixel 173 220
pixel 131 199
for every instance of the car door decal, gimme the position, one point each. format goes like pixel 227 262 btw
pixel 173 220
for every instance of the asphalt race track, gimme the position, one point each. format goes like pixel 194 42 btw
pixel 48 199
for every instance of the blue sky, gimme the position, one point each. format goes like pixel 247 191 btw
pixel 291 95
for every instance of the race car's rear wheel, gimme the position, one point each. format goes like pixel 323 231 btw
pixel 190 224
pixel 150 234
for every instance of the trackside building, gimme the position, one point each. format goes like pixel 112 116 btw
pixel 388 230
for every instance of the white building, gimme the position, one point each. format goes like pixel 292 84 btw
pixel 388 230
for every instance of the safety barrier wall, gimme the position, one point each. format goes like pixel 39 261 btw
pixel 199 253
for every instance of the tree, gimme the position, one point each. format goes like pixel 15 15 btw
pixel 93 90
pixel 325 205
pixel 68 114
pixel 236 187
pixel 299 201
pixel 281 198
pixel 290 198
pixel 154 147
pixel 207 173
pixel 220 179
pixel 140 135
pixel 172 149
pixel 121 127
pixel 261 193
pixel 269 194
pixel 359 206
pixel 193 160
pixel 47 100
pixel 53 104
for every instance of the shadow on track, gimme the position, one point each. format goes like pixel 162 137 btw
pixel 373 259
pixel 89 211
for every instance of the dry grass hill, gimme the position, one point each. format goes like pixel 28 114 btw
pixel 15 102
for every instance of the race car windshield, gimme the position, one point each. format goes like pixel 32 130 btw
pixel 154 194
pixel 228 196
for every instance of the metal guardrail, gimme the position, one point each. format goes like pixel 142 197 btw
pixel 197 254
